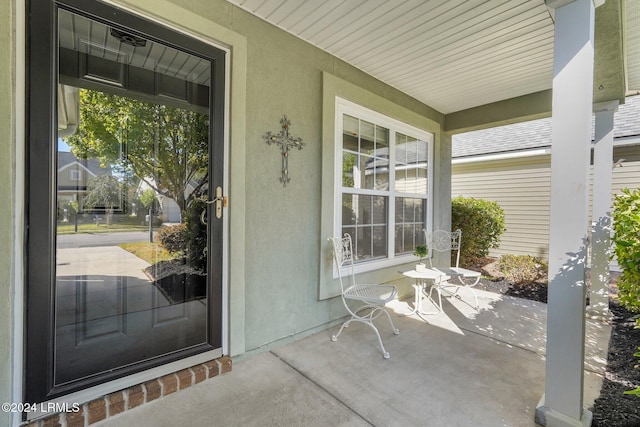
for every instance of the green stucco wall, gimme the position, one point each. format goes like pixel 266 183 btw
pixel 275 261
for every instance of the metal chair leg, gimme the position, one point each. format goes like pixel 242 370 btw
pixel 396 331
pixel 367 319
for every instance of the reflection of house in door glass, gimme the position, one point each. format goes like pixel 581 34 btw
pixel 73 176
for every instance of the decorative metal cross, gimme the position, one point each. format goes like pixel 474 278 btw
pixel 286 142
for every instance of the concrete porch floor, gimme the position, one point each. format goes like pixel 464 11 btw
pixel 460 368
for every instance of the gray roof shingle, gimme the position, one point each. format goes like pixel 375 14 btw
pixel 536 133
pixel 93 165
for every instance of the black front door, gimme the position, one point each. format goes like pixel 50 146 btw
pixel 125 158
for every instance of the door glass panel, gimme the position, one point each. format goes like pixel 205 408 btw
pixel 132 184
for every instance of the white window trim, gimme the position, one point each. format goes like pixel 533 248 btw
pixel 343 107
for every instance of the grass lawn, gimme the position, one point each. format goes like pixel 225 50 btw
pixel 101 228
pixel 150 252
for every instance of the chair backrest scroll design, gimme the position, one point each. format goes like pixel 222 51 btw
pixel 443 241
pixel 343 255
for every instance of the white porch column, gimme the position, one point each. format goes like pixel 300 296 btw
pixel 601 211
pixel 570 159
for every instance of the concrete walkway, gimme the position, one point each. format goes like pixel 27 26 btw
pixel 459 368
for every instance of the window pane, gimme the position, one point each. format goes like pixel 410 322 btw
pixel 382 139
pixel 348 169
pixel 401 151
pixel 364 218
pixel 367 168
pixel 422 172
pixel 410 221
pixel 379 207
pixel 404 235
pixel 382 159
pixel 370 173
pixel 350 133
pixel 363 210
pixel 381 175
pixel 351 231
pixel 367 137
pixel 411 163
pixel 363 247
pixel 379 236
pixel 365 161
pixel 348 213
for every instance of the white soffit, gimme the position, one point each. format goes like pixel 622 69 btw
pixel 449 54
pixel 632 43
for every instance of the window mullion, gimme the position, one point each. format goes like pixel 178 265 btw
pixel 365 191
pixel 391 221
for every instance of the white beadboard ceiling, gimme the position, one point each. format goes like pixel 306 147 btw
pixel 449 54
pixel 84 35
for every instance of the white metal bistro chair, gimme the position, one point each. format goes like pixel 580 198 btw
pixel 443 241
pixel 372 298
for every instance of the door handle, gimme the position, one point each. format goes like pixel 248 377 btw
pixel 220 201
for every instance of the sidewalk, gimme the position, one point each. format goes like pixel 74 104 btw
pixel 459 368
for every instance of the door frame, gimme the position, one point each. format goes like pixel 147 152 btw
pixel 41 50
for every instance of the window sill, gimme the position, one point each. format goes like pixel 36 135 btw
pixel 376 265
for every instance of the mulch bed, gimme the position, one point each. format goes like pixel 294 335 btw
pixel 612 408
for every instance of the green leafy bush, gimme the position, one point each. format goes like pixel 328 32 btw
pixel 196 234
pixel 626 242
pixel 188 240
pixel 482 224
pixel 173 238
pixel 522 269
pixel 626 247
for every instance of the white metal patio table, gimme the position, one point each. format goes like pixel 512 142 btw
pixel 423 278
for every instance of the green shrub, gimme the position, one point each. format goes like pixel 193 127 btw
pixel 522 269
pixel 626 243
pixel 188 240
pixel 626 247
pixel 196 234
pixel 482 224
pixel 173 238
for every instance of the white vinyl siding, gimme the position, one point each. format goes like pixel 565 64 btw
pixel 522 188
pixel 626 176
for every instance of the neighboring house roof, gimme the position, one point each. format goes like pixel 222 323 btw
pixel 535 133
pixel 65 159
